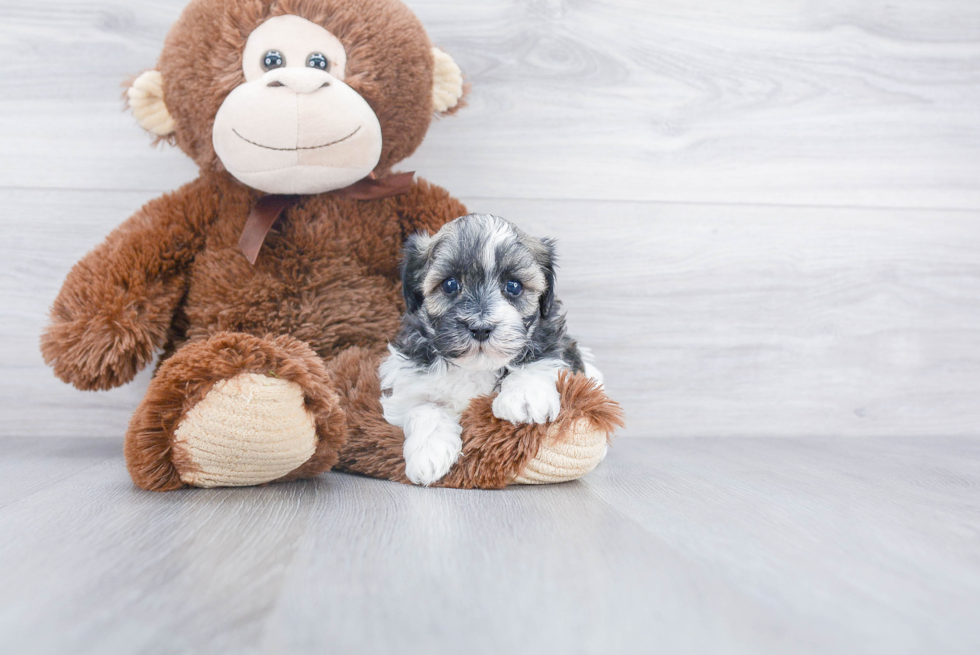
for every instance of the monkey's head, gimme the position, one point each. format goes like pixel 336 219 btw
pixel 297 96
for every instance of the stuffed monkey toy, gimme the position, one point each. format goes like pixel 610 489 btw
pixel 270 285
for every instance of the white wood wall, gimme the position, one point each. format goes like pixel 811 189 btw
pixel 768 212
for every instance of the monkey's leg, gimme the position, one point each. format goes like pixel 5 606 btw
pixel 496 453
pixel 235 410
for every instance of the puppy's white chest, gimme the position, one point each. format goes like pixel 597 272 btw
pixel 447 386
pixel 456 387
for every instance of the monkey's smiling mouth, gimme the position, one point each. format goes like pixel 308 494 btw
pixel 325 145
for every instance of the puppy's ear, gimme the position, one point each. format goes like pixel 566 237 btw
pixel 547 260
pixel 415 259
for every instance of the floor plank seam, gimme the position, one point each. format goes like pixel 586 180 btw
pixel 567 199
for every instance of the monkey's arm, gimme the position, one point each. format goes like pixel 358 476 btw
pixel 427 207
pixel 115 308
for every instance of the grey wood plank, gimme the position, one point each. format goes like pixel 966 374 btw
pixel 708 320
pixel 94 565
pixel 30 465
pixel 690 545
pixel 847 103
pixel 538 570
pixel 822 531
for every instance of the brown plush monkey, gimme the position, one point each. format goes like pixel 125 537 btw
pixel 295 111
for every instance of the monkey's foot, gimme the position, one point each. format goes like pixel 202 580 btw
pixel 248 430
pixel 233 411
pixel 568 453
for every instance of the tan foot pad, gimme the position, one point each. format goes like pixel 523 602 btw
pixel 248 430
pixel 576 454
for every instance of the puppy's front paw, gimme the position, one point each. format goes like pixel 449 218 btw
pixel 432 445
pixel 527 399
pixel 428 460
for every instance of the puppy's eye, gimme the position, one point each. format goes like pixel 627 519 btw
pixel 318 61
pixel 273 59
pixel 450 286
pixel 515 288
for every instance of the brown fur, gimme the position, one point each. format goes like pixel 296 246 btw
pixel 495 451
pixel 325 284
pixel 374 446
pixel 186 378
pixel 115 309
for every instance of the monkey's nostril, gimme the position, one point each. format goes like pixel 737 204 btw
pixel 273 85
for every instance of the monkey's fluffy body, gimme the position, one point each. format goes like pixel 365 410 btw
pixel 315 311
pixel 327 273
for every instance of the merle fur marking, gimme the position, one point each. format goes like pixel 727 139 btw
pixel 441 330
pixel 482 317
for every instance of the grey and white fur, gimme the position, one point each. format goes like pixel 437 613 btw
pixel 481 316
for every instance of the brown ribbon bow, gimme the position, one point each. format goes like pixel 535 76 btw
pixel 269 208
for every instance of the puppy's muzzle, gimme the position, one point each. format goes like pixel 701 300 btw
pixel 480 332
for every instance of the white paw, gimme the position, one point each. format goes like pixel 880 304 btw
pixel 525 398
pixel 432 445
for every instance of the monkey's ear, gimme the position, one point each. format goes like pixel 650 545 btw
pixel 414 264
pixel 447 83
pixel 146 100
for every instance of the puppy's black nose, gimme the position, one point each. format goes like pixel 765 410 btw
pixel 481 333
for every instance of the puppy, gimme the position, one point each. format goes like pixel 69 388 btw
pixel 481 317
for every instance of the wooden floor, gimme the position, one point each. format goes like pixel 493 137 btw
pixel 768 217
pixel 676 545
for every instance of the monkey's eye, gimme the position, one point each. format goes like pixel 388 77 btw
pixel 515 288
pixel 318 61
pixel 450 286
pixel 273 59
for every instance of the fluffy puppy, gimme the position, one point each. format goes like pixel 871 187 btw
pixel 481 317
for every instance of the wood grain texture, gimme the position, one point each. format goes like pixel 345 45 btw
pixel 711 317
pixel 708 321
pixel 692 545
pixel 768 224
pixel 831 103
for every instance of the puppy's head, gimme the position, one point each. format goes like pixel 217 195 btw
pixel 481 287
